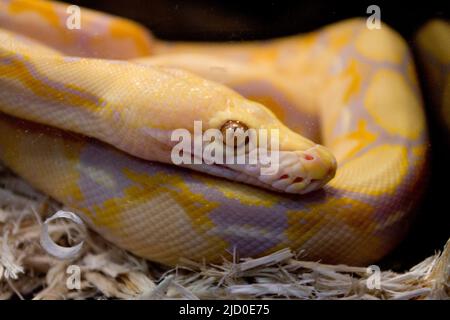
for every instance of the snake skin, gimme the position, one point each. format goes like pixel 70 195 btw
pixel 433 46
pixel 353 88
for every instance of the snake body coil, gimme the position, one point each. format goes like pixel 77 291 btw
pixel 351 87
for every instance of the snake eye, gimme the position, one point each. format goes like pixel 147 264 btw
pixel 234 133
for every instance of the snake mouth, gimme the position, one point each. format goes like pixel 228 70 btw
pixel 223 171
pixel 298 172
pixel 301 172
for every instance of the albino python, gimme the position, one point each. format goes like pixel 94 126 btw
pixel 433 46
pixel 352 89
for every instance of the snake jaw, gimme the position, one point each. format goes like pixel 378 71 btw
pixel 301 172
pixel 294 172
pixel 298 172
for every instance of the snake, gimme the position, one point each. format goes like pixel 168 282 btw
pixel 433 47
pixel 87 116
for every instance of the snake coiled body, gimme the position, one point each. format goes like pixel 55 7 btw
pixel 433 46
pixel 353 88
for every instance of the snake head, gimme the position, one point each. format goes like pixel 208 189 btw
pixel 210 128
pixel 286 161
pixel 246 142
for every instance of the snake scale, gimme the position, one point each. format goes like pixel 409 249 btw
pixel 351 88
pixel 433 46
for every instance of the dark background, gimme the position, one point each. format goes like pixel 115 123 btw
pixel 202 20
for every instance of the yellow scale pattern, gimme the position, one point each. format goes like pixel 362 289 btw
pixel 357 83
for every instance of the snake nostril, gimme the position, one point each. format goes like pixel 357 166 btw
pixel 284 176
pixel 298 180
